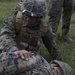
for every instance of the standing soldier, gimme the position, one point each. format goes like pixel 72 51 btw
pixel 55 8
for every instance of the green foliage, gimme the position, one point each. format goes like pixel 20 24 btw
pixel 67 50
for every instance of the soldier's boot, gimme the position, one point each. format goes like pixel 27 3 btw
pixel 65 37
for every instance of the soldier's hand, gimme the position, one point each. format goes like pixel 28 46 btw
pixel 23 54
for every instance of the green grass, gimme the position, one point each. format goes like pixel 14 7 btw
pixel 67 50
pixel 5 10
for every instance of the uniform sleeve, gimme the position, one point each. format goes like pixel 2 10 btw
pixel 50 44
pixel 37 65
pixel 7 35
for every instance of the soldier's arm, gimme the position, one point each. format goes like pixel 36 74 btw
pixel 50 44
pixel 7 35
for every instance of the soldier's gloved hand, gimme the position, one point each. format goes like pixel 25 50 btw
pixel 23 54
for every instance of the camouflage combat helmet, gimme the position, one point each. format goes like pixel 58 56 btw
pixel 66 69
pixel 35 8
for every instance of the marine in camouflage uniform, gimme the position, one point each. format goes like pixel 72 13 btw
pixel 17 35
pixel 37 65
pixel 11 65
pixel 54 11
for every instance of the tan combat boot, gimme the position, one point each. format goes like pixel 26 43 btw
pixel 66 38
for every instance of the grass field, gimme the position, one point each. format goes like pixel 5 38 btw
pixel 5 10
pixel 67 50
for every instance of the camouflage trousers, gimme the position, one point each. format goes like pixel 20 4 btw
pixel 54 11
pixel 11 65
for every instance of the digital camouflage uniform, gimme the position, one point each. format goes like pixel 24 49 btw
pixel 11 65
pixel 54 11
pixel 37 65
pixel 16 35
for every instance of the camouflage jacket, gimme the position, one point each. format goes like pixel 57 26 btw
pixel 9 33
pixel 11 65
pixel 37 65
